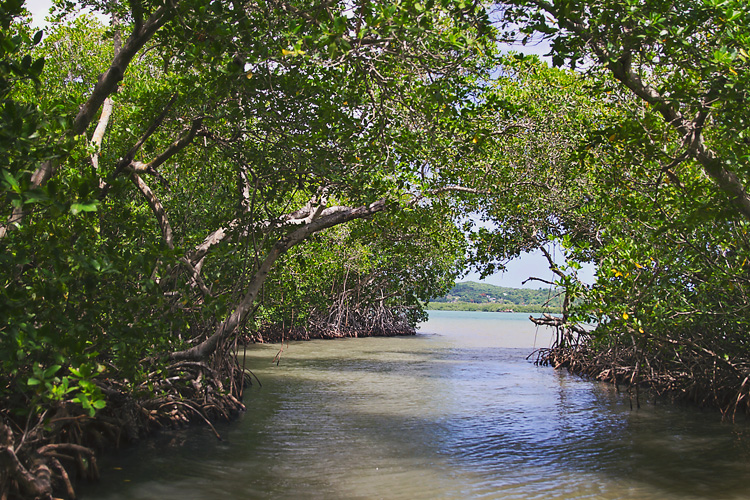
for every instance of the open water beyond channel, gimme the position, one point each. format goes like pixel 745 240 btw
pixel 455 412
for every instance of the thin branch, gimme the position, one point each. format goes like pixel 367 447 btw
pixel 127 159
pixel 178 145
pixel 157 208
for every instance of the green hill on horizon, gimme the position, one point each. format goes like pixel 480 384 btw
pixel 473 296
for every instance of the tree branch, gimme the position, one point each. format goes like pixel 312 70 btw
pixel 313 209
pixel 621 69
pixel 127 159
pixel 101 127
pixel 230 324
pixel 108 81
pixel 157 208
pixel 106 85
pixel 178 145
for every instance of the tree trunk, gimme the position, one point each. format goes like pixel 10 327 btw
pixel 335 216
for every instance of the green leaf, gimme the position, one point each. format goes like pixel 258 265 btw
pixel 76 208
pixel 51 371
pixel 35 196
pixel 11 180
pixel 37 67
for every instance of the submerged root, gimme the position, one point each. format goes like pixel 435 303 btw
pixel 44 459
pixel 340 322
pixel 679 370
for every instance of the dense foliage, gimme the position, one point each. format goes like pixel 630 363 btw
pixel 181 175
pixel 218 150
pixel 195 171
pixel 665 208
pixel 368 277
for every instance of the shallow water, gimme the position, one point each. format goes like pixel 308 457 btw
pixel 454 412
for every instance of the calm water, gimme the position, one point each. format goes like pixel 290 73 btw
pixel 455 412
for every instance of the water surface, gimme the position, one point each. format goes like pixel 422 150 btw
pixel 455 412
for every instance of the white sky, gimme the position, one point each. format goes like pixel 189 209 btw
pixel 528 265
pixel 39 10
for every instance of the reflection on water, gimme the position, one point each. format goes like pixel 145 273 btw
pixel 454 412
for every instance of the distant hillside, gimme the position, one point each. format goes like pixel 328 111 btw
pixel 485 297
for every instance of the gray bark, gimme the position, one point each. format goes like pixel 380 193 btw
pixel 107 84
pixel 243 308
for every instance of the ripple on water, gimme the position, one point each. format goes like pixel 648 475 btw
pixel 435 417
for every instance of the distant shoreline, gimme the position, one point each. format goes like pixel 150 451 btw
pixel 486 307
pixel 473 296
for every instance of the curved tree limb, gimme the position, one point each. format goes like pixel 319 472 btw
pixel 691 131
pixel 313 209
pixel 104 88
pixel 239 315
pixel 620 65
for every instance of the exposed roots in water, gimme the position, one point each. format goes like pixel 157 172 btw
pixel 340 322
pixel 44 455
pixel 681 370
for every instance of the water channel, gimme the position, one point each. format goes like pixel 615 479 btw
pixel 455 412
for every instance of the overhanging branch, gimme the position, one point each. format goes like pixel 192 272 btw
pixel 239 315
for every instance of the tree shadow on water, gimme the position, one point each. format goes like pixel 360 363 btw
pixel 439 425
